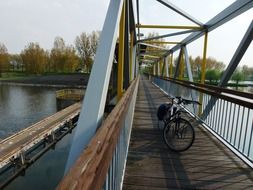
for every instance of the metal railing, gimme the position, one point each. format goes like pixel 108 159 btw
pixel 70 94
pixel 101 165
pixel 228 114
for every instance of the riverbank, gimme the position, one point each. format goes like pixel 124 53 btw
pixel 77 80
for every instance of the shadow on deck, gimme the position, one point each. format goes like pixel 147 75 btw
pixel 208 164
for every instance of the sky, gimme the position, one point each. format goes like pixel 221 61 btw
pixel 24 21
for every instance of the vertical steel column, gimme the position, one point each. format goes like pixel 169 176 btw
pixel 158 69
pixel 178 64
pixel 153 69
pixel 188 65
pixel 166 60
pixel 126 47
pixel 189 73
pixel 203 68
pixel 95 96
pixel 171 64
pixel 121 54
pixel 203 71
pixel 134 74
pixel 181 66
pixel 138 18
pixel 161 67
pixel 131 56
pixel 136 62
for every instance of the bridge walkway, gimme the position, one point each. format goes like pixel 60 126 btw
pixel 208 164
pixel 17 144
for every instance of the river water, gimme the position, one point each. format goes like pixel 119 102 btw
pixel 21 106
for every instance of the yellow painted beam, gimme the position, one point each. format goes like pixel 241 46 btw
pixel 168 27
pixel 131 55
pixel 151 56
pixel 148 59
pixel 161 42
pixel 203 71
pixel 171 64
pixel 203 68
pixel 121 54
pixel 161 67
pixel 158 69
pixel 153 50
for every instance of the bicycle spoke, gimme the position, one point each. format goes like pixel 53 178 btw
pixel 179 134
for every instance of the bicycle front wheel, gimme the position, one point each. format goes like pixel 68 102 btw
pixel 179 134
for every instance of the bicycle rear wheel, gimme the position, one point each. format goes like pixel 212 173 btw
pixel 179 134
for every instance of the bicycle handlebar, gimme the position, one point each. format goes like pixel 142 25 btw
pixel 185 101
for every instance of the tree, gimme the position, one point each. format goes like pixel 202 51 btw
pixel 237 76
pixel 211 64
pixel 213 75
pixel 247 72
pixel 4 60
pixel 34 58
pixel 63 58
pixel 16 62
pixel 71 59
pixel 86 45
pixel 57 55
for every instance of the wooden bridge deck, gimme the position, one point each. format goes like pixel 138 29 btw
pixel 208 164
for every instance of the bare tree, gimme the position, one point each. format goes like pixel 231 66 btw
pixel 4 61
pixel 86 45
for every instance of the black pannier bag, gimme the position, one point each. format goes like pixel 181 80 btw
pixel 162 111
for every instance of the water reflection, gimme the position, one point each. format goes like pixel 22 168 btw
pixel 20 107
pixel 46 172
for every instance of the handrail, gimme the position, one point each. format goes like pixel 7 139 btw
pixel 215 91
pixel 227 116
pixel 216 88
pixel 210 87
pixel 90 170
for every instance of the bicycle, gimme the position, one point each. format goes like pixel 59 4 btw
pixel 178 133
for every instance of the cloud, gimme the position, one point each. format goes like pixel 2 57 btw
pixel 42 20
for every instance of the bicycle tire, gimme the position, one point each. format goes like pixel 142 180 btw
pixel 181 138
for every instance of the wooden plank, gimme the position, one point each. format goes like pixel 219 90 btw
pixel 208 164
